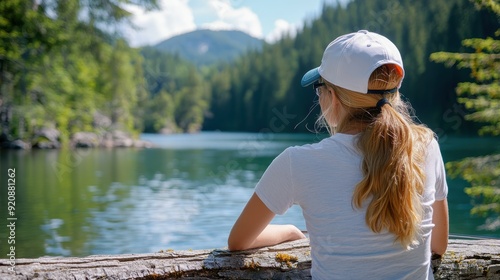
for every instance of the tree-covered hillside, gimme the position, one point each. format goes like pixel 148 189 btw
pixel 206 47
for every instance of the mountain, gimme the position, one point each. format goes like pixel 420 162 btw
pixel 205 47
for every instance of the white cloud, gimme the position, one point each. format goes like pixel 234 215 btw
pixel 281 28
pixel 173 18
pixel 180 16
pixel 221 15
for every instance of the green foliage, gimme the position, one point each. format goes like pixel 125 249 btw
pixel 492 5
pixel 25 32
pixel 178 95
pixel 483 174
pixel 482 98
pixel 25 28
pixel 59 70
pixel 119 85
pixel 160 113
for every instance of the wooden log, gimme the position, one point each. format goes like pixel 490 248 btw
pixel 465 259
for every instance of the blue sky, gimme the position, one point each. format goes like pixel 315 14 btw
pixel 265 19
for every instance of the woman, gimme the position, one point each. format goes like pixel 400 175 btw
pixel 373 195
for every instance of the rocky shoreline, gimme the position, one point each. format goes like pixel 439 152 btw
pixel 49 138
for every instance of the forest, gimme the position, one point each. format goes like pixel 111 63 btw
pixel 64 66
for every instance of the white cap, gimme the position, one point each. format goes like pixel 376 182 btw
pixel 350 59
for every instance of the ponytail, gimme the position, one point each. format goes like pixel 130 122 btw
pixel 393 175
pixel 394 149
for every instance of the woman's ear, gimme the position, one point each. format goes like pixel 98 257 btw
pixel 338 109
pixel 335 99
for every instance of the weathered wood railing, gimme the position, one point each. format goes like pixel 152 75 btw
pixel 465 259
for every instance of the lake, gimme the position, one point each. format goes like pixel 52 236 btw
pixel 185 193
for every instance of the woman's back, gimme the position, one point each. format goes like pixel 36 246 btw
pixel 321 179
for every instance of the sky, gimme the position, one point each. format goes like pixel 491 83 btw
pixel 263 19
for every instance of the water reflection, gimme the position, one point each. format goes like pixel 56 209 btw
pixel 163 212
pixel 54 242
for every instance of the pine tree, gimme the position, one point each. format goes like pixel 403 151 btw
pixel 482 98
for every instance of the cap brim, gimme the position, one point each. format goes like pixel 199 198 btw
pixel 310 77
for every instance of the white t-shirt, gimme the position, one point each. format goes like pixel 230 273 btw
pixel 321 179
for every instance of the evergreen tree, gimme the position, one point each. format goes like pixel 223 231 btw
pixel 181 89
pixel 54 55
pixel 120 90
pixel 482 98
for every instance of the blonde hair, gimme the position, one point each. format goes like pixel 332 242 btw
pixel 393 146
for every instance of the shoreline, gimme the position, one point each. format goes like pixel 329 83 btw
pixel 50 139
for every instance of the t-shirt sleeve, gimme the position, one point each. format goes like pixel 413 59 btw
pixel 441 185
pixel 275 187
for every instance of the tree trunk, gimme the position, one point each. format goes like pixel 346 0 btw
pixel 465 259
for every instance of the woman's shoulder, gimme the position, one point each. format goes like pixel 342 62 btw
pixel 433 146
pixel 329 145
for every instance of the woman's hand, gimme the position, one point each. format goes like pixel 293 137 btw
pixel 252 229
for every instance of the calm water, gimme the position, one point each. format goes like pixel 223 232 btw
pixel 185 194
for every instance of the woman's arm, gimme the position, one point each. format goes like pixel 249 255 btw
pixel 252 228
pixel 439 238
